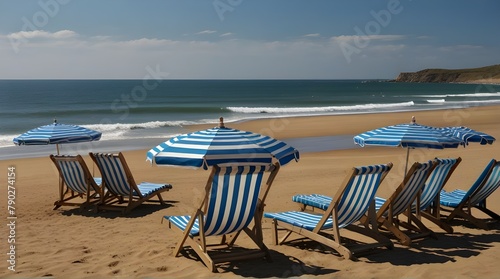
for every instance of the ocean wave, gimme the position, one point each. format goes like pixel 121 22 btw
pixel 137 126
pixel 497 94
pixel 435 101
pixel 317 109
pixel 114 131
pixel 474 102
pixel 7 140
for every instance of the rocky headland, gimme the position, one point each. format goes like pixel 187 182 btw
pixel 489 74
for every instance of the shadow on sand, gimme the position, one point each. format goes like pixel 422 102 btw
pixel 281 266
pixel 446 248
pixel 140 211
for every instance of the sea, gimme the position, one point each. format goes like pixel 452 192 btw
pixel 132 111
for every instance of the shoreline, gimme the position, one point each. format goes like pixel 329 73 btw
pixel 293 127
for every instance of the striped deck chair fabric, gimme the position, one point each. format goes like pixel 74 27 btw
pixel 436 181
pixel 119 183
pixel 313 200
pixel 74 174
pixel 429 198
pixel 461 202
pixel 229 206
pixel 402 199
pixel 348 206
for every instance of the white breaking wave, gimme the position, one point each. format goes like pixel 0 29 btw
pixel 114 131
pixel 317 109
pixel 7 140
pixel 497 94
pixel 436 101
pixel 132 126
pixel 478 102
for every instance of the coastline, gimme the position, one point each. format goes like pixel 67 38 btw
pixel 165 113
pixel 494 81
pixel 295 127
pixel 69 243
pixel 317 126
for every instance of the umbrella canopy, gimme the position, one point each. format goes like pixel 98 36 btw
pixel 221 145
pixel 469 135
pixel 57 133
pixel 411 135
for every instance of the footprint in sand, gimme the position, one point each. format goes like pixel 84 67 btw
pixel 161 269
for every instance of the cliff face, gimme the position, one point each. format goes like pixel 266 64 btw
pixel 443 75
pixel 427 76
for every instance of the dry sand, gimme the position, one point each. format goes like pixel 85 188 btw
pixel 66 243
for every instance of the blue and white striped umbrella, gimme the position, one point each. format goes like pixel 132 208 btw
pixel 411 135
pixel 408 135
pixel 469 135
pixel 57 133
pixel 221 145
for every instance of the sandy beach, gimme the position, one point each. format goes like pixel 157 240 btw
pixel 66 243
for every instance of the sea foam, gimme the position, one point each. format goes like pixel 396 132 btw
pixel 497 94
pixel 317 109
pixel 435 101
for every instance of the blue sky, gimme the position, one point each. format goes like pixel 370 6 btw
pixel 322 39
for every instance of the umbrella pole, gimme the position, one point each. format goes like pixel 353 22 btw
pixel 57 147
pixel 407 155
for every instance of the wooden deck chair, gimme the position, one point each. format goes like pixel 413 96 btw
pixel 350 203
pixel 75 182
pixel 427 203
pixel 230 204
pixel 401 200
pixel 121 186
pixel 460 203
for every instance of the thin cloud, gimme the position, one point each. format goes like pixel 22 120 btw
pixel 390 48
pixel 63 34
pixel 206 32
pixel 103 57
pixel 145 42
pixel 226 34
pixel 136 44
pixel 312 35
pixel 100 38
pixel 424 37
pixel 350 38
